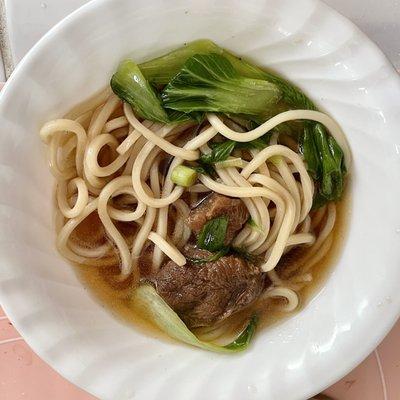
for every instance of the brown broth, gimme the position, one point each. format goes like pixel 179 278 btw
pixel 97 282
pixel 323 268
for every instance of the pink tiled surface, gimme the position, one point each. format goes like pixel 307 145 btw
pixel 24 376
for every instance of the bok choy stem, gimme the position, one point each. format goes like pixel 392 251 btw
pixel 208 82
pixel 150 303
pixel 161 70
pixel 129 84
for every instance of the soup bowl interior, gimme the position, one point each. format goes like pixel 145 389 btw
pixel 308 43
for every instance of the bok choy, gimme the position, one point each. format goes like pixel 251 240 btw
pixel 220 152
pixel 202 77
pixel 210 83
pixel 129 84
pixel 150 303
pixel 212 234
pixel 160 70
pixel 326 163
pixel 323 155
pixel 291 95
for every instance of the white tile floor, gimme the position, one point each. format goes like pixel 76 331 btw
pixel 28 20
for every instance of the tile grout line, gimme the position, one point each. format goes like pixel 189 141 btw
pixel 381 373
pixel 5 46
pixel 17 339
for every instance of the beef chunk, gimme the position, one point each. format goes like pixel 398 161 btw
pixel 205 293
pixel 288 264
pixel 217 205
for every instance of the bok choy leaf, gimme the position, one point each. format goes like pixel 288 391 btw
pixel 323 155
pixel 331 165
pixel 210 83
pixel 129 84
pixel 325 163
pixel 203 77
pixel 212 234
pixel 257 144
pixel 150 303
pixel 291 95
pixel 160 70
pixel 202 168
pixel 220 152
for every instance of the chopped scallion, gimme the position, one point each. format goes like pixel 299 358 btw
pixel 184 176
pixel 230 162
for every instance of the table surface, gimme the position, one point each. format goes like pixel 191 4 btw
pixel 23 375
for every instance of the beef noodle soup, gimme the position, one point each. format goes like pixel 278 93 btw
pixel 199 194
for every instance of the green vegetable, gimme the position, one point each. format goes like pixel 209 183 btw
pixel 219 152
pixel 216 256
pixel 230 162
pixel 243 121
pixel 160 70
pixel 244 339
pixel 332 165
pixel 202 168
pixel 325 162
pixel 212 235
pixel 329 173
pixel 129 84
pixel 309 149
pixel 203 77
pixel 323 155
pixel 179 117
pixel 257 144
pixel 210 83
pixel 253 224
pixel 183 176
pixel 291 95
pixel 275 160
pixel 146 299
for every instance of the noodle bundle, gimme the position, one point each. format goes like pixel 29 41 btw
pixel 115 166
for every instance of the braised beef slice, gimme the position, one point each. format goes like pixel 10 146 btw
pixel 217 205
pixel 203 294
pixel 288 264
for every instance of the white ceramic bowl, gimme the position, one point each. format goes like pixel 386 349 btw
pixel 307 42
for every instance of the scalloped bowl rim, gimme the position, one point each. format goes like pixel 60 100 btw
pixel 383 321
